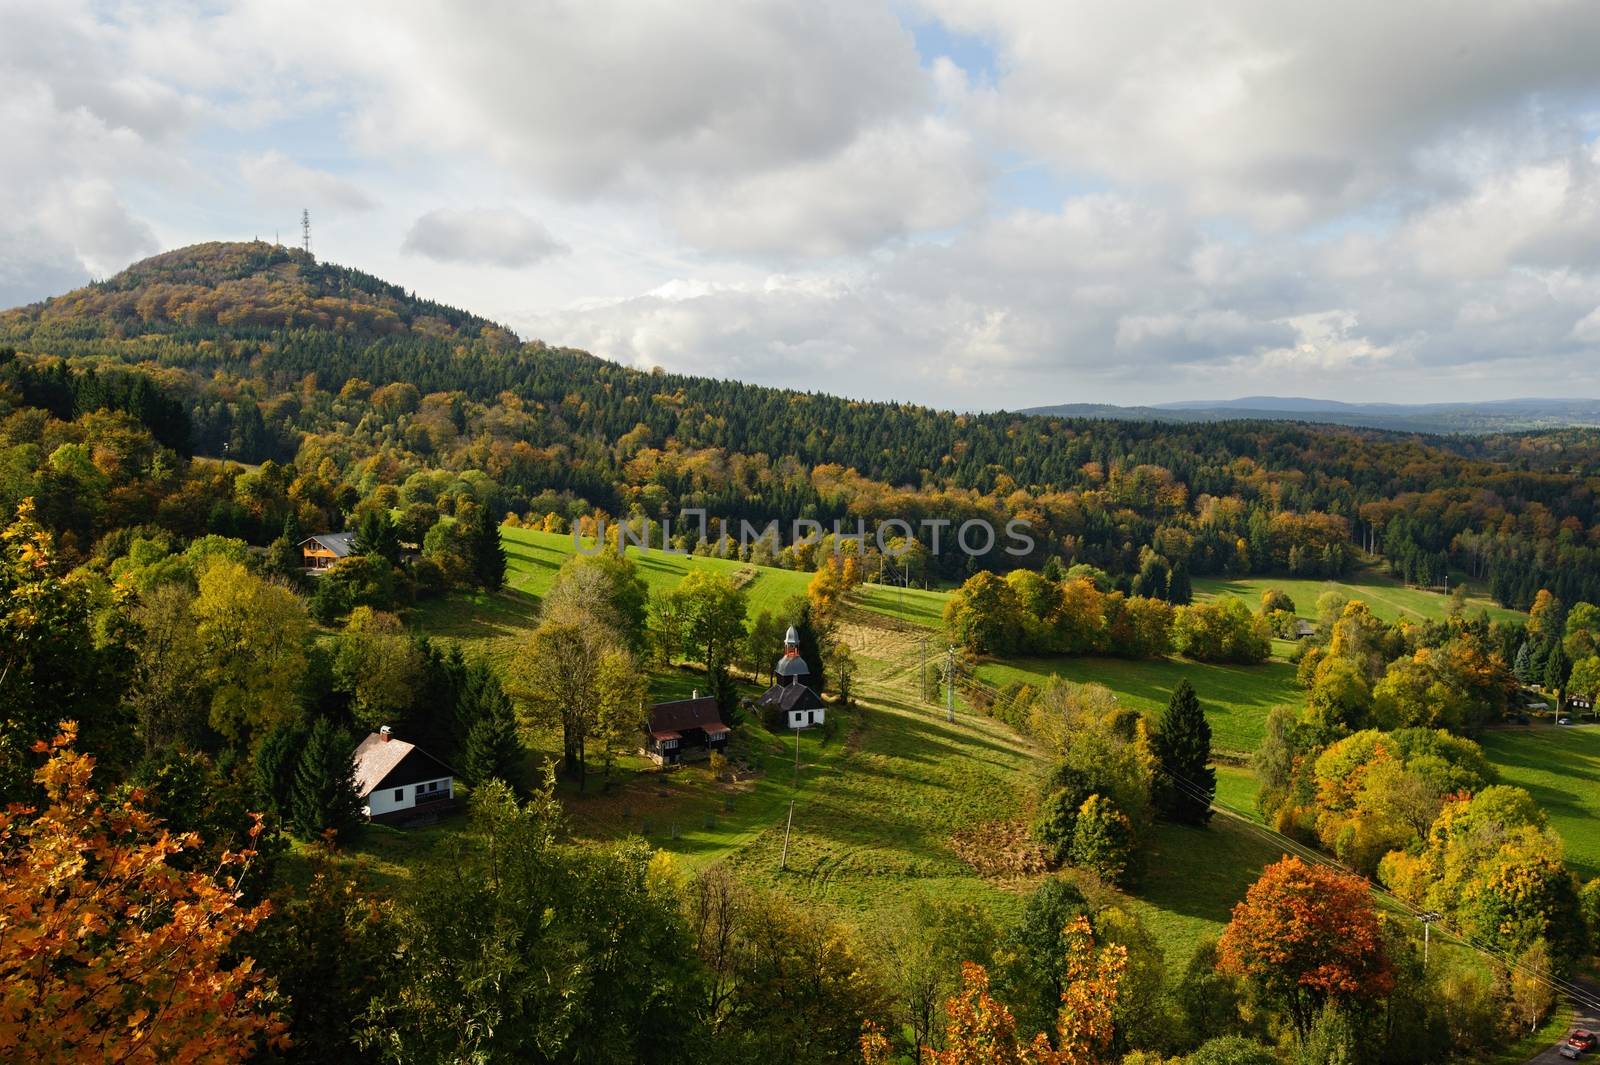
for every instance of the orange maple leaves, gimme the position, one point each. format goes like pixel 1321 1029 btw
pixel 108 953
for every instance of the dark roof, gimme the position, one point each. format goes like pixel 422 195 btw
pixel 683 714
pixel 792 665
pixel 788 697
pixel 340 543
pixel 394 764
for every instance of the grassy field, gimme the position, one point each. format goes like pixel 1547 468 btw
pixel 1389 599
pixel 1560 768
pixel 1236 698
pixel 493 626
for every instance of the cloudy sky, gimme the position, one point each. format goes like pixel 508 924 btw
pixel 972 203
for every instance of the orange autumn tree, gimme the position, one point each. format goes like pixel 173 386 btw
pixel 980 1030
pixel 107 952
pixel 1306 934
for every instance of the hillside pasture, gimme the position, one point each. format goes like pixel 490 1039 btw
pixel 1388 599
pixel 1560 767
pixel 1235 698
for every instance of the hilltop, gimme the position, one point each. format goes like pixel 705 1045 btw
pixel 237 289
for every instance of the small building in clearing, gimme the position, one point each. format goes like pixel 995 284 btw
pixel 790 703
pixel 398 781
pixel 1303 628
pixel 684 730
pixel 318 553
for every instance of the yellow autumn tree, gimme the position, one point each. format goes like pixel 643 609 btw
pixel 108 952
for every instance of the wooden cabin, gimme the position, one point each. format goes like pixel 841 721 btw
pixel 318 553
pixel 685 730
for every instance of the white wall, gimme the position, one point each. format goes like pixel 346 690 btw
pixel 382 801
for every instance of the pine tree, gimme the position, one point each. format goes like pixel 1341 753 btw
pixel 488 554
pixel 493 750
pixel 324 794
pixel 1185 781
pixel 291 528
pixel 1179 591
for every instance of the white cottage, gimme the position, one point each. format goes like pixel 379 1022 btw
pixel 398 781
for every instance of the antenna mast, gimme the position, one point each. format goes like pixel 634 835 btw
pixel 305 230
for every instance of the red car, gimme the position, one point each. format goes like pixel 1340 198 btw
pixel 1583 1039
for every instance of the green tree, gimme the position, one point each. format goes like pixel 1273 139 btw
pixel 983 615
pixel 254 635
pixel 276 762
pixel 324 795
pixel 1102 839
pixel 488 553
pixel 604 586
pixel 1185 782
pixel 493 749
pixel 376 536
pixel 712 609
pixel 525 950
pixel 1180 590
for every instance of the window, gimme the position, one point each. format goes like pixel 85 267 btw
pixel 433 785
pixel 399 794
pixel 419 791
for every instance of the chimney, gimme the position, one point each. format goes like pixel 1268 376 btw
pixel 384 732
pixel 696 694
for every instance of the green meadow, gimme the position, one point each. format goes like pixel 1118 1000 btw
pixel 1560 767
pixel 1389 599
pixel 1236 698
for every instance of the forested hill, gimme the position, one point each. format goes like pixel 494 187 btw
pixel 259 353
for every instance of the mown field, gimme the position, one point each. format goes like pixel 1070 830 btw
pixel 1560 768
pixel 1389 599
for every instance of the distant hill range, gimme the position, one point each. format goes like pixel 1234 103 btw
pixel 1494 416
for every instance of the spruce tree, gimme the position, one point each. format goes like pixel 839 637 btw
pixel 1185 782
pixel 810 645
pixel 324 794
pixel 276 760
pixel 1523 667
pixel 488 554
pixel 1179 590
pixel 493 750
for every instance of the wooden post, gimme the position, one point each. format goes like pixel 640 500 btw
pixel 783 862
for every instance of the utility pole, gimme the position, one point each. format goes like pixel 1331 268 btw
pixel 950 684
pixel 1427 918
pixel 797 757
pixel 783 861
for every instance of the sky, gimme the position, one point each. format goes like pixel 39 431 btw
pixel 976 204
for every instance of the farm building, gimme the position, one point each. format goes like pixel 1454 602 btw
pixel 323 550
pixel 398 781
pixel 1303 628
pixel 790 703
pixel 684 730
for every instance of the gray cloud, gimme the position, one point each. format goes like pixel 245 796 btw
pixel 481 235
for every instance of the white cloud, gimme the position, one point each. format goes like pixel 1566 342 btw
pixel 276 179
pixel 488 236
pixel 1280 112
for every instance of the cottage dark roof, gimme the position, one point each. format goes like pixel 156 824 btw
pixel 342 544
pixel 394 763
pixel 685 714
pixel 788 697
